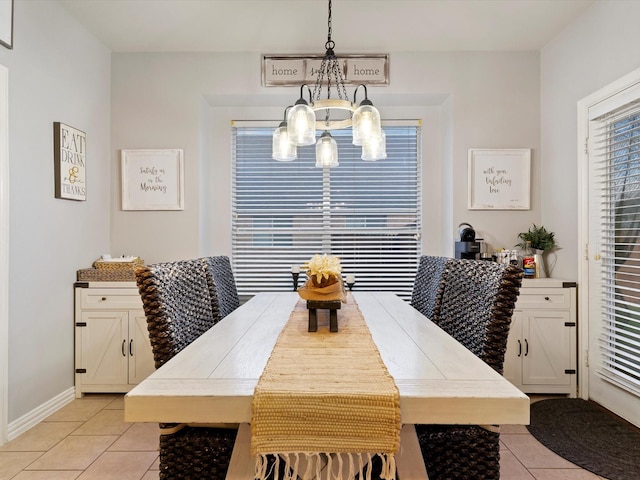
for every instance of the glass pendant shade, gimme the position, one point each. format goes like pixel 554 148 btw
pixel 282 149
pixel 301 124
pixel 375 148
pixel 366 123
pixel 326 151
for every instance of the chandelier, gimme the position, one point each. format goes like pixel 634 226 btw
pixel 302 119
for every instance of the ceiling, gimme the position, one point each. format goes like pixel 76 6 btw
pixel 300 26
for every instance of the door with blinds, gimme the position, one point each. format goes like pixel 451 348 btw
pixel 613 153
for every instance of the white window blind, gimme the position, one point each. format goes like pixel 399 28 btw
pixel 367 213
pixel 617 143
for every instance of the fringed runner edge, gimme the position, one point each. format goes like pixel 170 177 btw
pixel 335 464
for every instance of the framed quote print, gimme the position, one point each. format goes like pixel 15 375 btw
pixel 499 179
pixel 152 179
pixel 69 162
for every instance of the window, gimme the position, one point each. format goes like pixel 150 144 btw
pixel 617 142
pixel 367 213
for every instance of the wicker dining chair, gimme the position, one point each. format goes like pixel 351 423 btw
pixel 179 309
pixel 428 286
pixel 477 305
pixel 222 284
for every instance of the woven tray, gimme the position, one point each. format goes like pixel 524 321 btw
pixel 105 275
pixel 107 265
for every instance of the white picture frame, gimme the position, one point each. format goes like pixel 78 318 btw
pixel 152 179
pixel 6 23
pixel 499 179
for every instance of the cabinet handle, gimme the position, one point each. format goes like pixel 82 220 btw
pixel 131 347
pixel 103 299
pixel 546 298
pixel 526 344
pixel 124 342
pixel 519 348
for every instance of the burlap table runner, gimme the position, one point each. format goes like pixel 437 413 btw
pixel 325 393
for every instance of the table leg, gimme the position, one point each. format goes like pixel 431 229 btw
pixel 333 320
pixel 313 320
pixel 242 465
pixel 409 461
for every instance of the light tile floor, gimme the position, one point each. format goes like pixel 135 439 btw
pixel 89 440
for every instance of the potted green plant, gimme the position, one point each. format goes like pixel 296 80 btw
pixel 541 241
pixel 540 238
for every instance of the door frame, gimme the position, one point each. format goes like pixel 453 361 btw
pixel 585 250
pixel 4 252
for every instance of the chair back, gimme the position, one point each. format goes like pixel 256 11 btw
pixel 222 285
pixel 429 286
pixel 177 304
pixel 477 305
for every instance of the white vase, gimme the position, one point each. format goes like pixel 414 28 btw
pixel 549 260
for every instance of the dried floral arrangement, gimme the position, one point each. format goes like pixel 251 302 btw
pixel 324 281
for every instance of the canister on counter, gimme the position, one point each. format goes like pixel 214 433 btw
pixel 529 262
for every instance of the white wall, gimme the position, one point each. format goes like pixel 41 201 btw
pixel 57 72
pixel 469 100
pixel 598 48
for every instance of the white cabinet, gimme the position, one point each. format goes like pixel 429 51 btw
pixel 113 352
pixel 541 350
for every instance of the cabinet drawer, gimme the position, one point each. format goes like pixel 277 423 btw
pixel 111 299
pixel 541 298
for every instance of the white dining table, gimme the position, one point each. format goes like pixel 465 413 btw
pixel 439 381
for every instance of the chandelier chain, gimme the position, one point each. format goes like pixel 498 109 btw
pixel 330 68
pixel 329 41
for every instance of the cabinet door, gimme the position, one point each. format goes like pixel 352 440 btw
pixel 512 370
pixel 141 363
pixel 104 342
pixel 547 347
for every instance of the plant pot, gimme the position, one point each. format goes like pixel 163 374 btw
pixel 541 268
pixel 549 260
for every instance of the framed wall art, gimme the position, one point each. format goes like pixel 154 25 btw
pixel 6 23
pixel 152 179
pixel 499 179
pixel 69 162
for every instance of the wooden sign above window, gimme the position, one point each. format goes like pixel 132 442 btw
pixel 291 70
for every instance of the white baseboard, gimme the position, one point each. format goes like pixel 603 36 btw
pixel 38 414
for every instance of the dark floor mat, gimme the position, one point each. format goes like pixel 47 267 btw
pixel 589 436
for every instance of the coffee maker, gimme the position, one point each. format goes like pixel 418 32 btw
pixel 467 247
